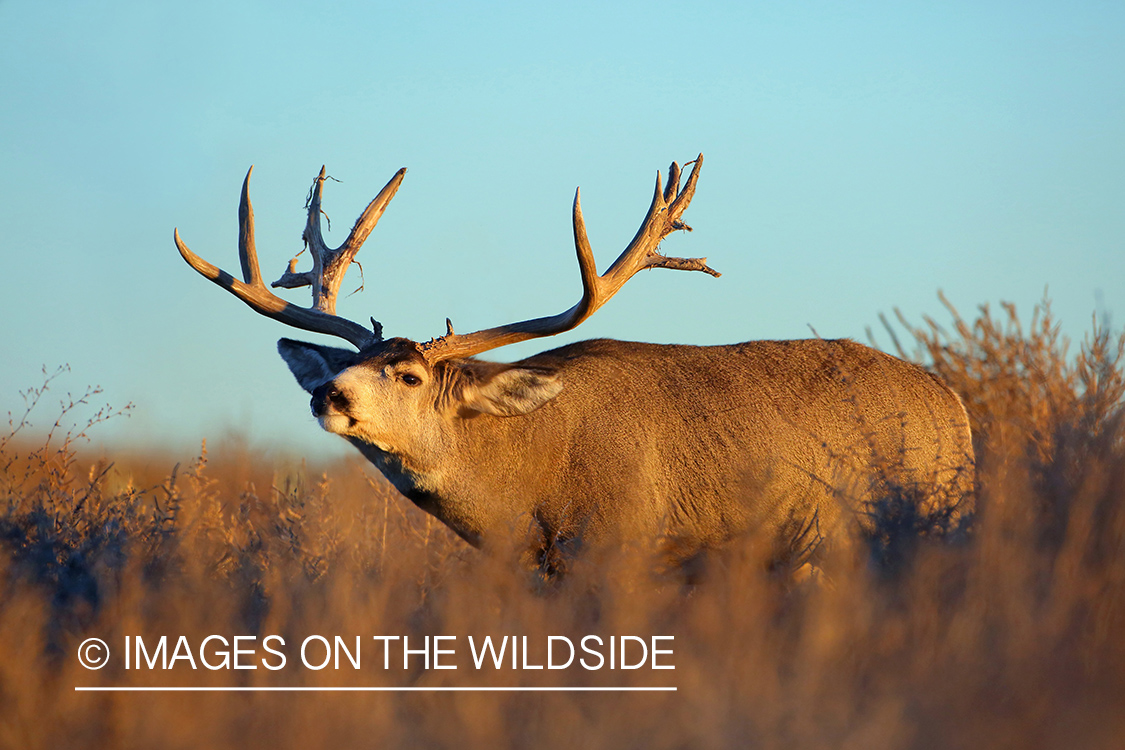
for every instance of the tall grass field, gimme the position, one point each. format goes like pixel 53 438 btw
pixel 263 572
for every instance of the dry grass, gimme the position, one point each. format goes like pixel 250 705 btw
pixel 1012 636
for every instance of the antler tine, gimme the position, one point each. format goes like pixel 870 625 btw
pixel 591 299
pixel 330 265
pixel 247 252
pixel 314 243
pixel 253 291
pixel 673 182
pixel 663 217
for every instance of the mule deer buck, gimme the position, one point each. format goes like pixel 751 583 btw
pixel 608 442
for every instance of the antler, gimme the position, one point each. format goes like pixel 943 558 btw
pixel 663 217
pixel 329 267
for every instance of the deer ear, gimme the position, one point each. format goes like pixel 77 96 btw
pixel 511 391
pixel 313 365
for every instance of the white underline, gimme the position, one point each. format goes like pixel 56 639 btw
pixel 170 689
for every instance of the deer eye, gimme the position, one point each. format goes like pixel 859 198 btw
pixel 411 379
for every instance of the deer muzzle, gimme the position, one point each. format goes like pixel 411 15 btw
pixel 328 399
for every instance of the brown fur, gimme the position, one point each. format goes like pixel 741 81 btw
pixel 685 444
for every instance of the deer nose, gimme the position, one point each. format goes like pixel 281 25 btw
pixel 325 395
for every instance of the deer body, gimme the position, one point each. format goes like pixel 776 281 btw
pixel 609 441
pixel 684 445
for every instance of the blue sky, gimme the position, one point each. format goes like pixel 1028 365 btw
pixel 859 157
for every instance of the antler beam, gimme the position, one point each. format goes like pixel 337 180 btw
pixel 329 267
pixel 663 217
